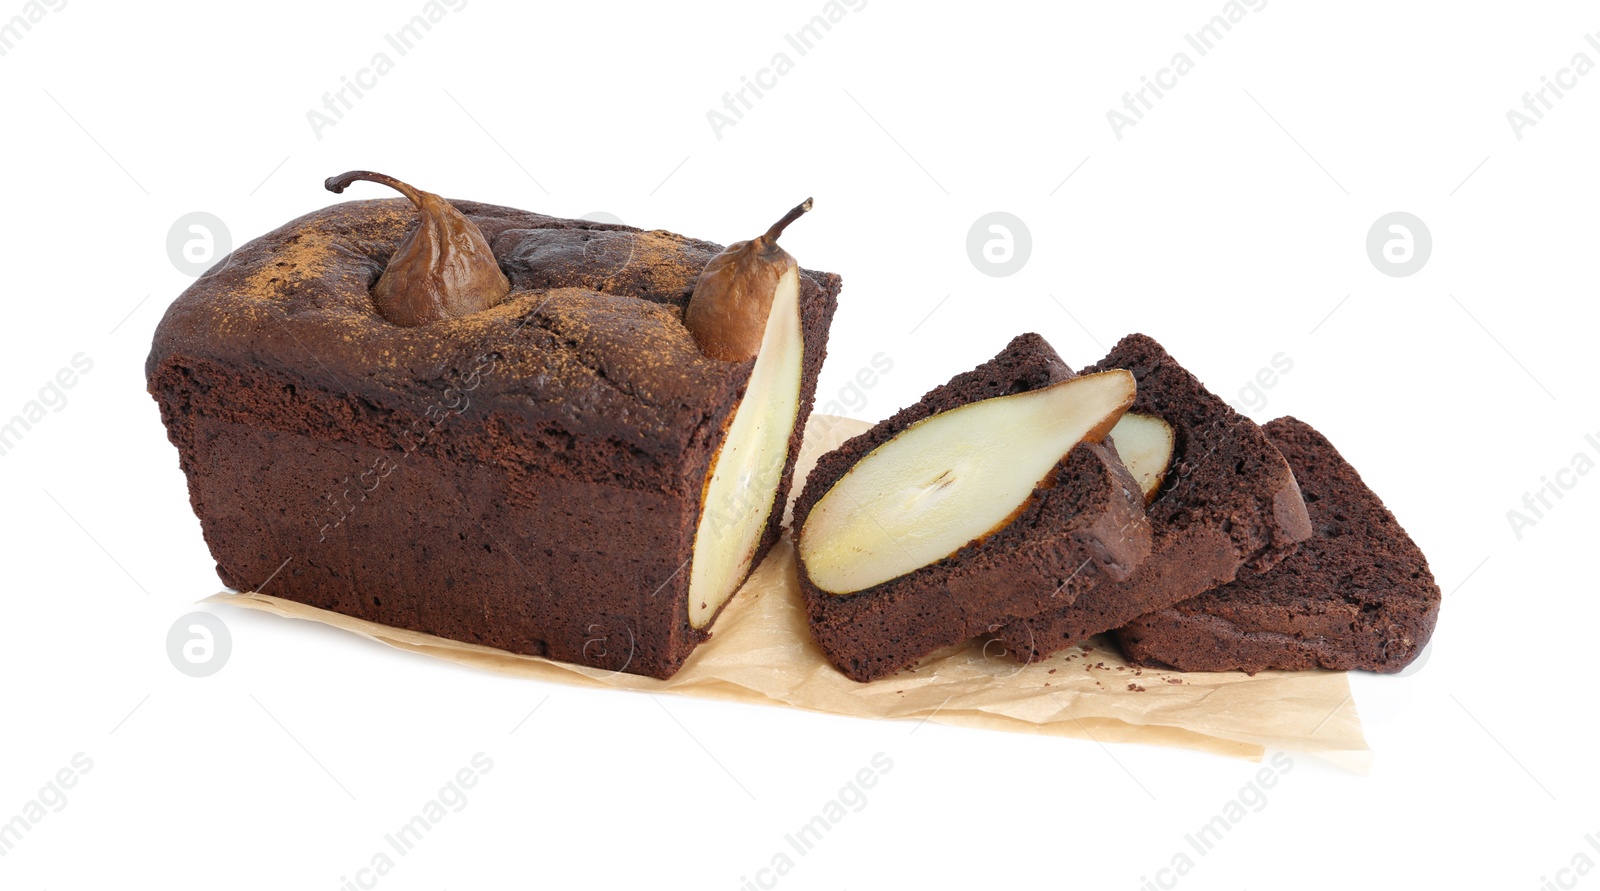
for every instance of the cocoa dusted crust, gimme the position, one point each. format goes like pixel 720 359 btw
pixel 1357 594
pixel 528 477
pixel 1083 525
pixel 1229 501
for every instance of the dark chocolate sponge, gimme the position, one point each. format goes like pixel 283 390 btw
pixel 1358 593
pixel 1229 501
pixel 528 477
pixel 1083 525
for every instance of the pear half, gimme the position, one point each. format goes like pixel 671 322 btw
pixel 1144 442
pixel 950 479
pixel 745 474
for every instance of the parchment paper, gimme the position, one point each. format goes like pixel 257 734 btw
pixel 761 652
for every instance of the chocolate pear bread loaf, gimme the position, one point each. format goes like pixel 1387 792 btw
pixel 531 476
pixel 1357 594
pixel 1082 524
pixel 1228 502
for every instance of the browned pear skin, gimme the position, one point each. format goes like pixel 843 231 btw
pixel 443 269
pixel 727 314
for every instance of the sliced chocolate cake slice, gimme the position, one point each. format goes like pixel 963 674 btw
pixel 989 500
pixel 1357 594
pixel 1228 502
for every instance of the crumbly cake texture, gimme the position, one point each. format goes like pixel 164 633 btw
pixel 1084 524
pixel 1357 595
pixel 528 477
pixel 1229 501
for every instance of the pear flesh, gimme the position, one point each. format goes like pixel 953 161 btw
pixel 1145 443
pixel 745 474
pixel 951 479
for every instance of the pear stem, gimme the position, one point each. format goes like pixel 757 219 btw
pixel 778 227
pixel 337 184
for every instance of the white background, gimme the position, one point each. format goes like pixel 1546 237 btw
pixel 1229 223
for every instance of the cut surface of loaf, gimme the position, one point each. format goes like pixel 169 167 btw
pixel 1082 526
pixel 1229 502
pixel 1357 594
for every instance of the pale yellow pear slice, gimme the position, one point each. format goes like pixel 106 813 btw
pixel 1144 442
pixel 951 478
pixel 749 466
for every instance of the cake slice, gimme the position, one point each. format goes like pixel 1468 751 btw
pixel 1357 594
pixel 532 476
pixel 1075 520
pixel 1228 502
